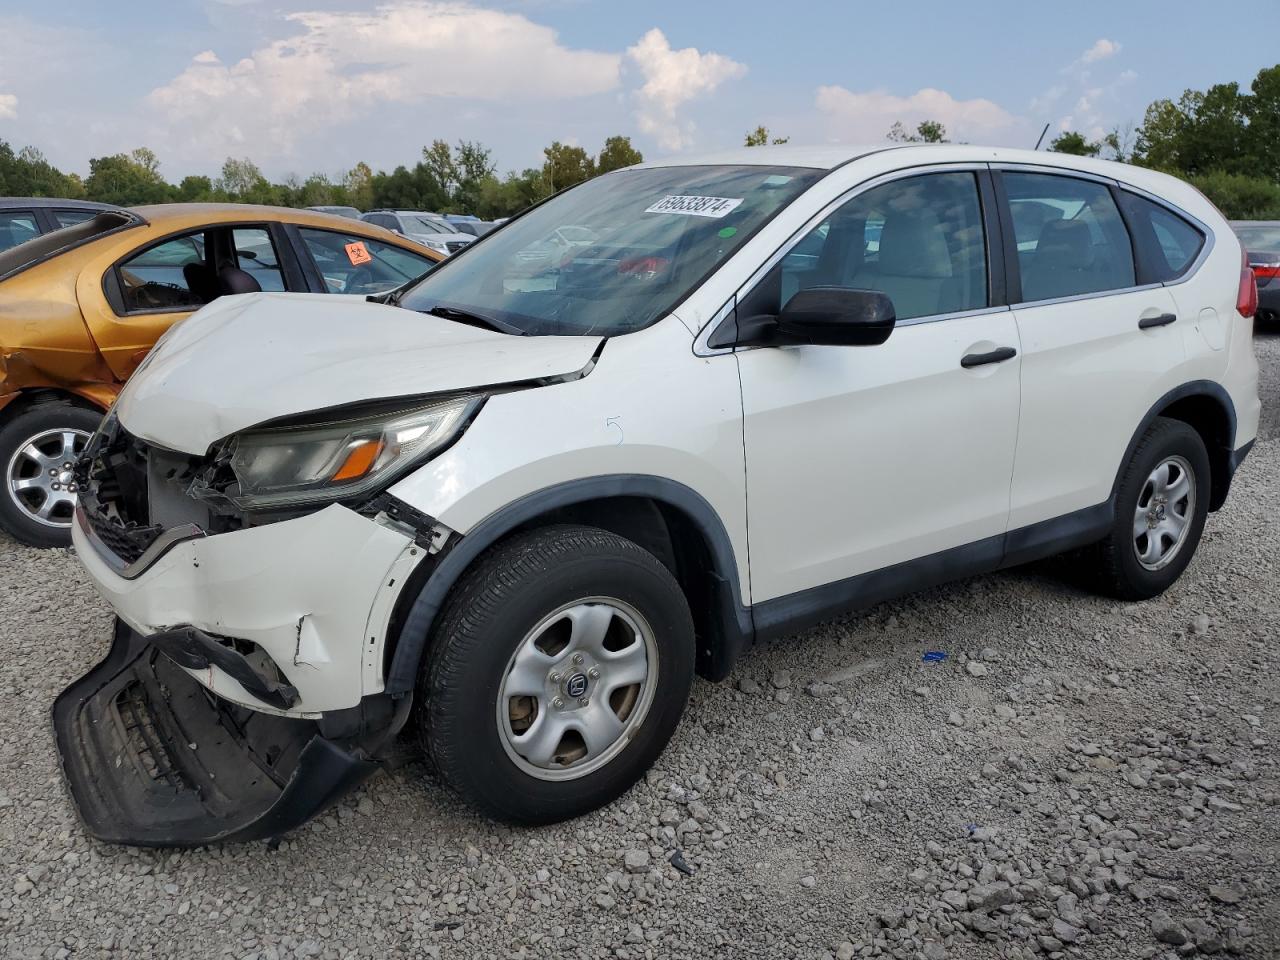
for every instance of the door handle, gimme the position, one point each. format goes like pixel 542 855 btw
pixel 998 355
pixel 1146 323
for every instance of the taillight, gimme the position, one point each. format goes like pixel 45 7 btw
pixel 1247 296
pixel 1266 271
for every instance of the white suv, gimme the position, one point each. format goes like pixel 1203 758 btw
pixel 532 501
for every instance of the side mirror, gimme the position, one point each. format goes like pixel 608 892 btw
pixel 836 316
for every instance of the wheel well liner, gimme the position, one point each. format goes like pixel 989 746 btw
pixel 667 518
pixel 1206 407
pixel 26 399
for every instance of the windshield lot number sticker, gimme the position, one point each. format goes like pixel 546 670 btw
pixel 714 207
pixel 357 253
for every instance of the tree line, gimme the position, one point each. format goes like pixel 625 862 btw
pixel 447 179
pixel 1223 140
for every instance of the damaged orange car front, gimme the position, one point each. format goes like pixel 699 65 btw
pixel 81 307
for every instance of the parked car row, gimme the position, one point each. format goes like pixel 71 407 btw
pixel 676 410
pixel 81 306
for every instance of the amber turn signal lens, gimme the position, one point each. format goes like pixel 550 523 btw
pixel 359 461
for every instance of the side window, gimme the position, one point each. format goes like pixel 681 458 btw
pixel 1167 245
pixel 1071 239
pixel 920 240
pixel 16 227
pixel 358 265
pixel 384 220
pixel 69 218
pixel 166 276
pixel 256 255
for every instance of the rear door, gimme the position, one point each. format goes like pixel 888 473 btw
pixel 859 458
pixel 1097 345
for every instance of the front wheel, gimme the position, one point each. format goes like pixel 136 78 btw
pixel 1161 504
pixel 559 670
pixel 38 451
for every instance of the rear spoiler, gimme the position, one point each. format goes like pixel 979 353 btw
pixel 57 242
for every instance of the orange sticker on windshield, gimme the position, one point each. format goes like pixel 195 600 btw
pixel 357 253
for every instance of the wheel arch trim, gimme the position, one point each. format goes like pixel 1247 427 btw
pixel 734 616
pixel 1193 388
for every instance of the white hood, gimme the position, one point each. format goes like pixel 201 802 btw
pixel 247 359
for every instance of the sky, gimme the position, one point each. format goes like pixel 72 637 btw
pixel 304 86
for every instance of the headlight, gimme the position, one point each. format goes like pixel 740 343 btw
pixel 294 465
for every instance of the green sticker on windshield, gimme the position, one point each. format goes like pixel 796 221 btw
pixel 727 232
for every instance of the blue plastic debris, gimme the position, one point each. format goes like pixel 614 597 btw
pixel 934 656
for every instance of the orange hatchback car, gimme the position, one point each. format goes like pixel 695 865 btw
pixel 80 308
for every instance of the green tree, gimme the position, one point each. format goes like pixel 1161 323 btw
pixel 26 173
pixel 1203 131
pixel 242 182
pixel 1119 143
pixel 760 136
pixel 1075 143
pixel 1240 197
pixel 127 179
pixel 407 189
pixel 617 153
pixel 439 162
pixel 195 189
pixel 1263 111
pixel 359 186
pixel 927 131
pixel 511 194
pixel 472 168
pixel 565 166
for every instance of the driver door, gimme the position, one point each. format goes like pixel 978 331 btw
pixel 863 458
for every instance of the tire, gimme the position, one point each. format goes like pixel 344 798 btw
pixel 1120 570
pixel 515 622
pixel 57 432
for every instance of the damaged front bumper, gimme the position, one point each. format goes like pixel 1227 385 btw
pixel 151 758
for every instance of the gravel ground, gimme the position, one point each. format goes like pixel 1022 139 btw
pixel 1079 778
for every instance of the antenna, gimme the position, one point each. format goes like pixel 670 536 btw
pixel 1042 133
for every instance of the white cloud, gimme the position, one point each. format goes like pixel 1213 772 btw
pixel 8 106
pixel 1102 49
pixel 867 116
pixel 671 79
pixel 342 64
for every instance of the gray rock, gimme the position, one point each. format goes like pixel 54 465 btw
pixel 976 668
pixel 1164 929
pixel 1229 893
pixel 1066 932
pixel 636 861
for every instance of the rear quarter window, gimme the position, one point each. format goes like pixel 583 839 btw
pixel 1167 244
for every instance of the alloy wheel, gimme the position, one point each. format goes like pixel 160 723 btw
pixel 40 477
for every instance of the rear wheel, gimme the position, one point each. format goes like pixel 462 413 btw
pixel 1161 505
pixel 38 451
pixel 560 669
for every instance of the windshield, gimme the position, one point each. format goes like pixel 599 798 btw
pixel 614 254
pixel 1260 236
pixel 432 225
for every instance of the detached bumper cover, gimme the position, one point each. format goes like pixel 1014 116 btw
pixel 152 759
